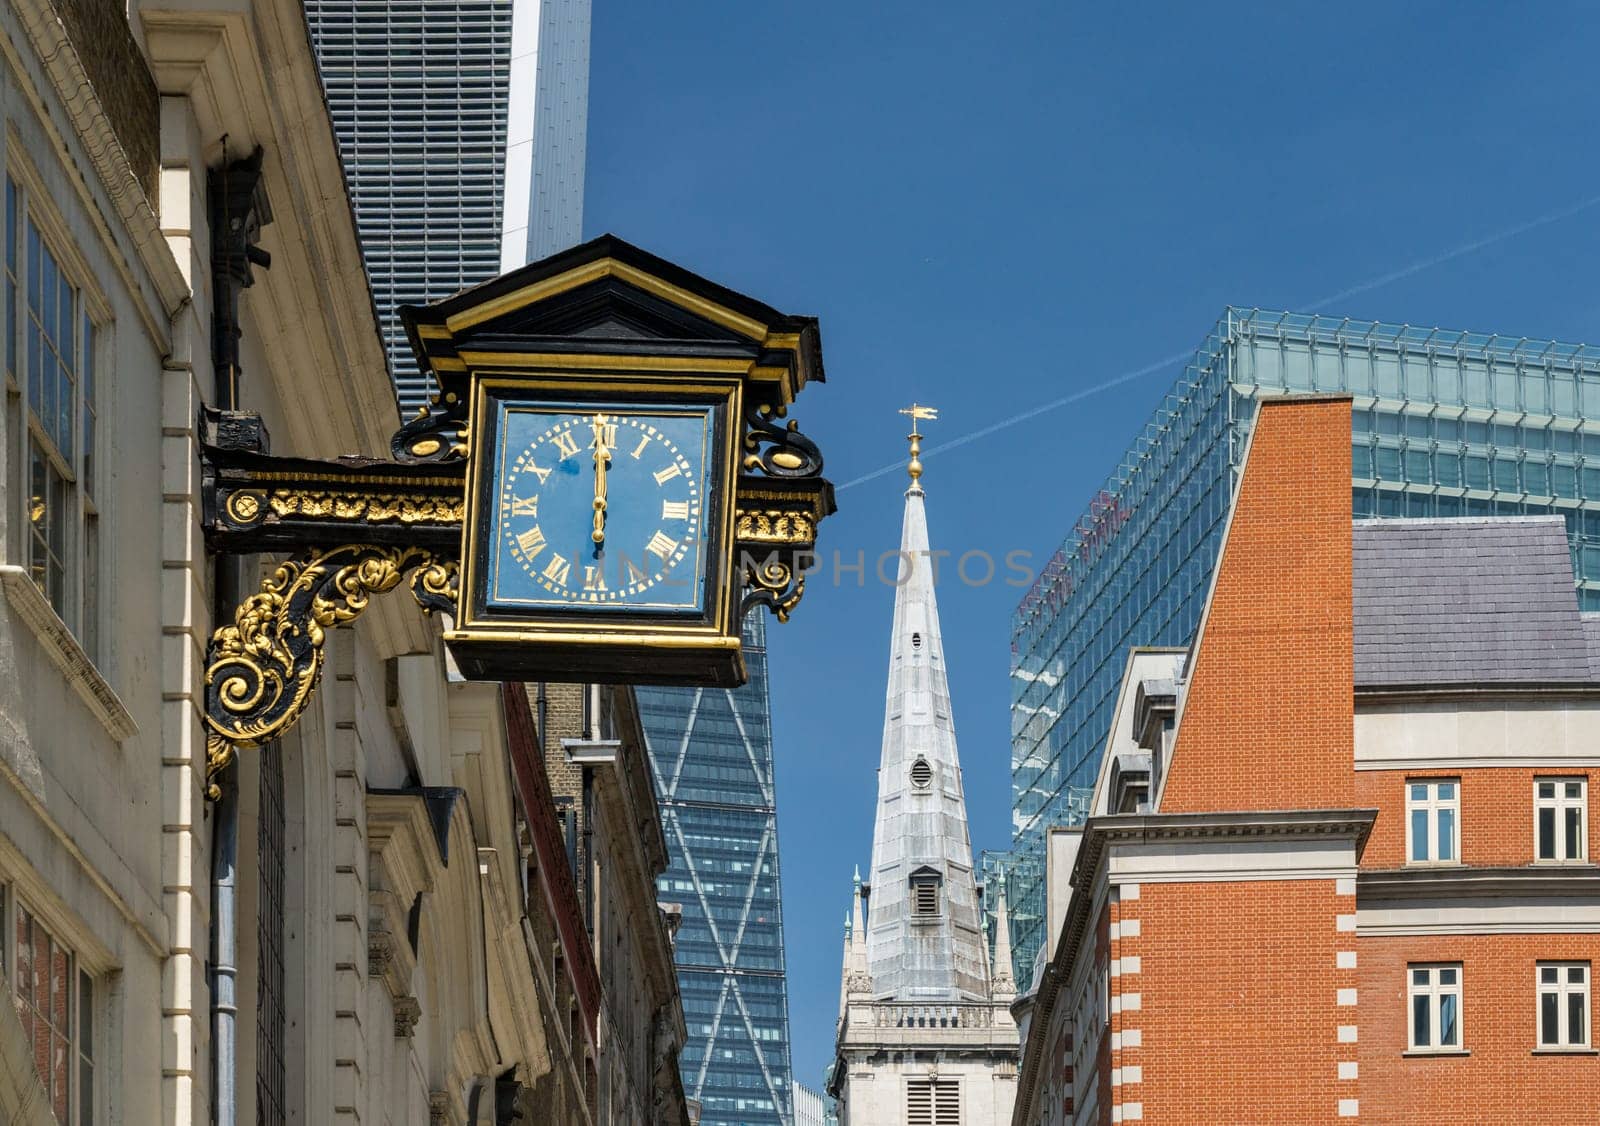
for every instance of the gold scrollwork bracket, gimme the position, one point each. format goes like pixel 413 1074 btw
pixel 778 450
pixel 775 583
pixel 262 670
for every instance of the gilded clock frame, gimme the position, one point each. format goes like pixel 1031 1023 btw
pixel 526 376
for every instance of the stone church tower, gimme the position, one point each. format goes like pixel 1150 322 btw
pixel 925 1035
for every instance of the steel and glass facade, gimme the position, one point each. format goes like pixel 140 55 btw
pixel 419 93
pixel 1444 424
pixel 462 127
pixel 711 753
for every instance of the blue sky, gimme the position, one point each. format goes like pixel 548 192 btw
pixel 993 207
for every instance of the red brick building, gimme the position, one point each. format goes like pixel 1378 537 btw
pixel 1338 864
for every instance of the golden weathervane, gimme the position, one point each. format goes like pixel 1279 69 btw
pixel 917 413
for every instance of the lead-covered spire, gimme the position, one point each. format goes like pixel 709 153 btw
pixel 1003 981
pixel 924 936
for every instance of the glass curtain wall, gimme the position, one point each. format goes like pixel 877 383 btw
pixel 419 92
pixel 1445 424
pixel 711 753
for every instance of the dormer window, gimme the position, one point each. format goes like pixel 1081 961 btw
pixel 925 888
pixel 921 773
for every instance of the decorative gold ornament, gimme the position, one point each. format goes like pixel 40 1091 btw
pixel 776 526
pixel 775 584
pixel 778 451
pixel 264 668
pixel 245 506
pixel 373 508
pixel 917 413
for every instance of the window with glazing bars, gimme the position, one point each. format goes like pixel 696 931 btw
pixel 1433 832
pixel 54 1000
pixel 1564 1005
pixel 933 1102
pixel 51 341
pixel 1435 994
pixel 1560 808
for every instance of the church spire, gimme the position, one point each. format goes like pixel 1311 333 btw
pixel 923 933
pixel 1002 982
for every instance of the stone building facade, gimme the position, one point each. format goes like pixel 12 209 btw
pixel 402 944
pixel 595 757
pixel 1338 861
pixel 925 1034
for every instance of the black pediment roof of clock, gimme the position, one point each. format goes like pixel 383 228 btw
pixel 609 313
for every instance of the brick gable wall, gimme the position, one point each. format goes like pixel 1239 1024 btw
pixel 1268 722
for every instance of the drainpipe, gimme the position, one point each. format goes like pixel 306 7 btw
pixel 224 954
pixel 237 210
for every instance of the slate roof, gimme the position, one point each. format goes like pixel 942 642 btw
pixel 1459 602
pixel 1591 630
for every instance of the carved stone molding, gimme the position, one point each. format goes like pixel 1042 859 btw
pixel 407 1012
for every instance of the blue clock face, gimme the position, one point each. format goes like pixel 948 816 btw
pixel 601 509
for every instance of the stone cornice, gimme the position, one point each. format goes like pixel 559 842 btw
pixel 57 643
pixel 1277 825
pixel 64 70
pixel 1455 693
pixel 1578 880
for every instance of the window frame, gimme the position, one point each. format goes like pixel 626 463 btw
pixel 81 472
pixel 1435 990
pixel 1562 989
pixel 81 1110
pixel 1432 806
pixel 1559 804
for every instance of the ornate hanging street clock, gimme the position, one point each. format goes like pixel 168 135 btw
pixel 603 485
pixel 614 410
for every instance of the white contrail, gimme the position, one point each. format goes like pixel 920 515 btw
pixel 1178 357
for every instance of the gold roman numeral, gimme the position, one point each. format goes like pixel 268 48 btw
pixel 566 443
pixel 634 574
pixel 542 474
pixel 532 541
pixel 662 545
pixel 558 569
pixel 644 440
pixel 524 506
pixel 594 578
pixel 608 435
pixel 662 476
pixel 674 510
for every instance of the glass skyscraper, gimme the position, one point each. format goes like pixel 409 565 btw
pixel 711 752
pixel 1445 424
pixel 462 129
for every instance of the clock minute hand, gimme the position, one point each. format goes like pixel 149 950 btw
pixel 602 458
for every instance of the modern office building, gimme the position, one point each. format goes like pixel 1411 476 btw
pixel 711 750
pixel 462 129
pixel 810 1109
pixel 1445 424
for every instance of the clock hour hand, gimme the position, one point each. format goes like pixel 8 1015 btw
pixel 602 459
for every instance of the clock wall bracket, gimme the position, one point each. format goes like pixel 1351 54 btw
pixel 340 532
